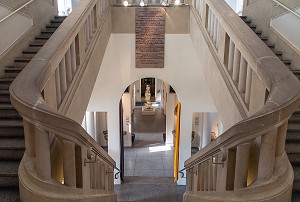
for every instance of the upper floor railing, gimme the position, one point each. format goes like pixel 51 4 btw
pixel 15 11
pixel 60 157
pixel 249 160
pixel 286 8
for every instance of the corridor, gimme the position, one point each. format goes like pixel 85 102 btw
pixel 149 163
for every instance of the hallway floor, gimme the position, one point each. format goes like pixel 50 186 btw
pixel 149 163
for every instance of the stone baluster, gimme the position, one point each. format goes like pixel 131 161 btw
pixel 205 169
pixel 281 137
pixel 267 156
pixel 42 152
pixel 209 20
pixel 195 178
pixel 241 166
pixel 236 64
pixel 243 75
pixel 199 176
pixel 29 138
pixel 73 58
pixel 57 84
pixel 231 55
pixel 63 78
pixel 248 85
pixel 215 171
pixel 211 31
pixel 210 175
pixel 69 164
pixel 215 31
pixel 69 74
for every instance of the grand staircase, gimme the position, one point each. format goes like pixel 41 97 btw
pixel 292 146
pixel 12 144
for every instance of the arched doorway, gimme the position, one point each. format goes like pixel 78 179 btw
pixel 148 122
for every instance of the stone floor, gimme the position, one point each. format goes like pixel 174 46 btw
pixel 149 163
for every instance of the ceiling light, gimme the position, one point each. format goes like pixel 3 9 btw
pixel 125 3
pixel 177 2
pixel 142 3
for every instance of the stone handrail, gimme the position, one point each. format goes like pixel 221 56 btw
pixel 255 165
pixel 62 162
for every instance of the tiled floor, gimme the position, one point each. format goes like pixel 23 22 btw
pixel 149 163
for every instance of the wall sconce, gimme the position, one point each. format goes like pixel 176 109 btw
pixel 177 2
pixel 125 3
pixel 142 3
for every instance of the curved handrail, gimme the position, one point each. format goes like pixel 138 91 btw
pixel 15 11
pixel 282 85
pixel 65 54
pixel 272 73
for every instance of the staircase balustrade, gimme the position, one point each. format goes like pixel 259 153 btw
pixel 256 166
pixel 54 166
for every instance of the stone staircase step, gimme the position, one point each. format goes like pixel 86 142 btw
pixel 292 148
pixel 294 159
pixel 30 51
pixel 4 96
pixel 44 36
pixel 12 148
pixel 57 20
pixel 37 43
pixel 53 25
pixel 11 128
pixel 278 54
pixel 48 31
pixel 253 27
pixel 258 33
pixel 296 187
pixel 7 111
pixel 9 174
pixel 21 62
pixel 10 194
pixel 5 83
pixel 287 62
pixel 12 72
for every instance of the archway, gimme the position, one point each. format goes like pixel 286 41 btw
pixel 148 121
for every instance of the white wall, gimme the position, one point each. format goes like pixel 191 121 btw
pixel 182 71
pixel 13 28
pixel 126 102
pixel 288 26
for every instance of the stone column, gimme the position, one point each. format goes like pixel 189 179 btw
pixel 267 156
pixel 215 31
pixel 42 146
pixel 248 85
pixel 281 137
pixel 63 78
pixel 29 138
pixel 231 55
pixel 57 84
pixel 69 164
pixel 241 166
pixel 69 74
pixel 243 75
pixel 236 64
pixel 73 58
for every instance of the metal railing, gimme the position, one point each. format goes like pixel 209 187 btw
pixel 277 3
pixel 15 11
